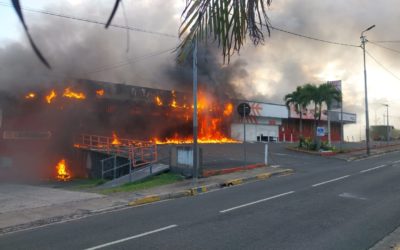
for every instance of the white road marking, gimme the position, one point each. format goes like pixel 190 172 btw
pixel 255 202
pixel 370 169
pixel 279 154
pixel 396 161
pixel 325 182
pixel 352 196
pixel 131 238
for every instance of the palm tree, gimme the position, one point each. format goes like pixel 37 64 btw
pixel 320 95
pixel 329 93
pixel 298 100
pixel 227 21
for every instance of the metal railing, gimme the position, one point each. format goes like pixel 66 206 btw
pixel 138 153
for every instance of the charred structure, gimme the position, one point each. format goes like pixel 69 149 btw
pixel 38 126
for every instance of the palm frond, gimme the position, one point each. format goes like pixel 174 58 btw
pixel 17 8
pixel 227 22
pixel 114 10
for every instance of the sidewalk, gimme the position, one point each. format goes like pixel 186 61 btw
pixel 390 242
pixel 38 206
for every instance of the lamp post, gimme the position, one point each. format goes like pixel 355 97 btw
pixel 387 123
pixel 363 41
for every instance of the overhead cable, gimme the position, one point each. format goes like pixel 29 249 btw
pixel 380 64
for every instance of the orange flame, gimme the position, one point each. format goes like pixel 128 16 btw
pixel 173 102
pixel 70 94
pixel 30 95
pixel 62 171
pixel 158 101
pixel 51 96
pixel 211 125
pixel 100 92
pixel 115 140
pixel 228 109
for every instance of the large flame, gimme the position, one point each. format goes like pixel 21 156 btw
pixel 51 96
pixel 211 118
pixel 62 171
pixel 115 140
pixel 71 94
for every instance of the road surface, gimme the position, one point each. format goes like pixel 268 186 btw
pixel 326 204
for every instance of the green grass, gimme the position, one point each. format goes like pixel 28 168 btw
pixel 154 181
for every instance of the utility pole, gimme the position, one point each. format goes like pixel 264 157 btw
pixel 195 123
pixel 363 41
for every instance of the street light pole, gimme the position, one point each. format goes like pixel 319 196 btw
pixel 387 123
pixel 363 41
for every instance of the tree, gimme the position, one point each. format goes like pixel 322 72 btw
pixel 320 95
pixel 227 21
pixel 299 102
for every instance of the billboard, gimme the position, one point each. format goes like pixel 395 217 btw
pixel 338 85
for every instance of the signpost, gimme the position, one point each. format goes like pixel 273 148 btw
pixel 320 131
pixel 244 110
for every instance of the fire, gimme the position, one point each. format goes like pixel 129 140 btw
pixel 30 95
pixel 70 94
pixel 100 92
pixel 62 171
pixel 211 122
pixel 51 96
pixel 173 102
pixel 115 140
pixel 158 101
pixel 228 109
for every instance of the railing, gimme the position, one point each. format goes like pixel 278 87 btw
pixel 138 153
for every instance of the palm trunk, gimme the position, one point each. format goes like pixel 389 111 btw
pixel 301 124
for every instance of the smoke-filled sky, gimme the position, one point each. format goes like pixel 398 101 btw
pixel 266 73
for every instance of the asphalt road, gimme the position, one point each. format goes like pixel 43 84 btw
pixel 326 204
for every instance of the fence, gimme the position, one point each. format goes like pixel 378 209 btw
pixel 138 153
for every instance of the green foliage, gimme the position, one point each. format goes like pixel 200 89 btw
pixel 154 181
pixel 307 143
pixel 325 146
pixel 227 22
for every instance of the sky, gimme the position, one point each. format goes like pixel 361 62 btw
pixel 266 72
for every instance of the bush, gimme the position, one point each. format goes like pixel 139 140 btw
pixel 325 146
pixel 307 143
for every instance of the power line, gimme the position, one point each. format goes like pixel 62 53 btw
pixel 393 50
pixel 380 64
pixel 166 34
pixel 125 63
pixel 392 41
pixel 311 38
pixel 92 21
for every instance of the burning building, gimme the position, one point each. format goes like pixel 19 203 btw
pixel 38 126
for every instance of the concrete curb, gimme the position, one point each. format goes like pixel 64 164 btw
pixel 371 155
pixel 206 188
pixel 208 173
pixel 320 153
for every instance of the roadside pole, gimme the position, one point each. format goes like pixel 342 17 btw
pixel 244 135
pixel 195 123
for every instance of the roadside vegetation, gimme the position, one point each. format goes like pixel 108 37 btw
pixel 154 181
pixel 317 97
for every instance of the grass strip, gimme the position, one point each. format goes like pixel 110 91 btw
pixel 154 181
